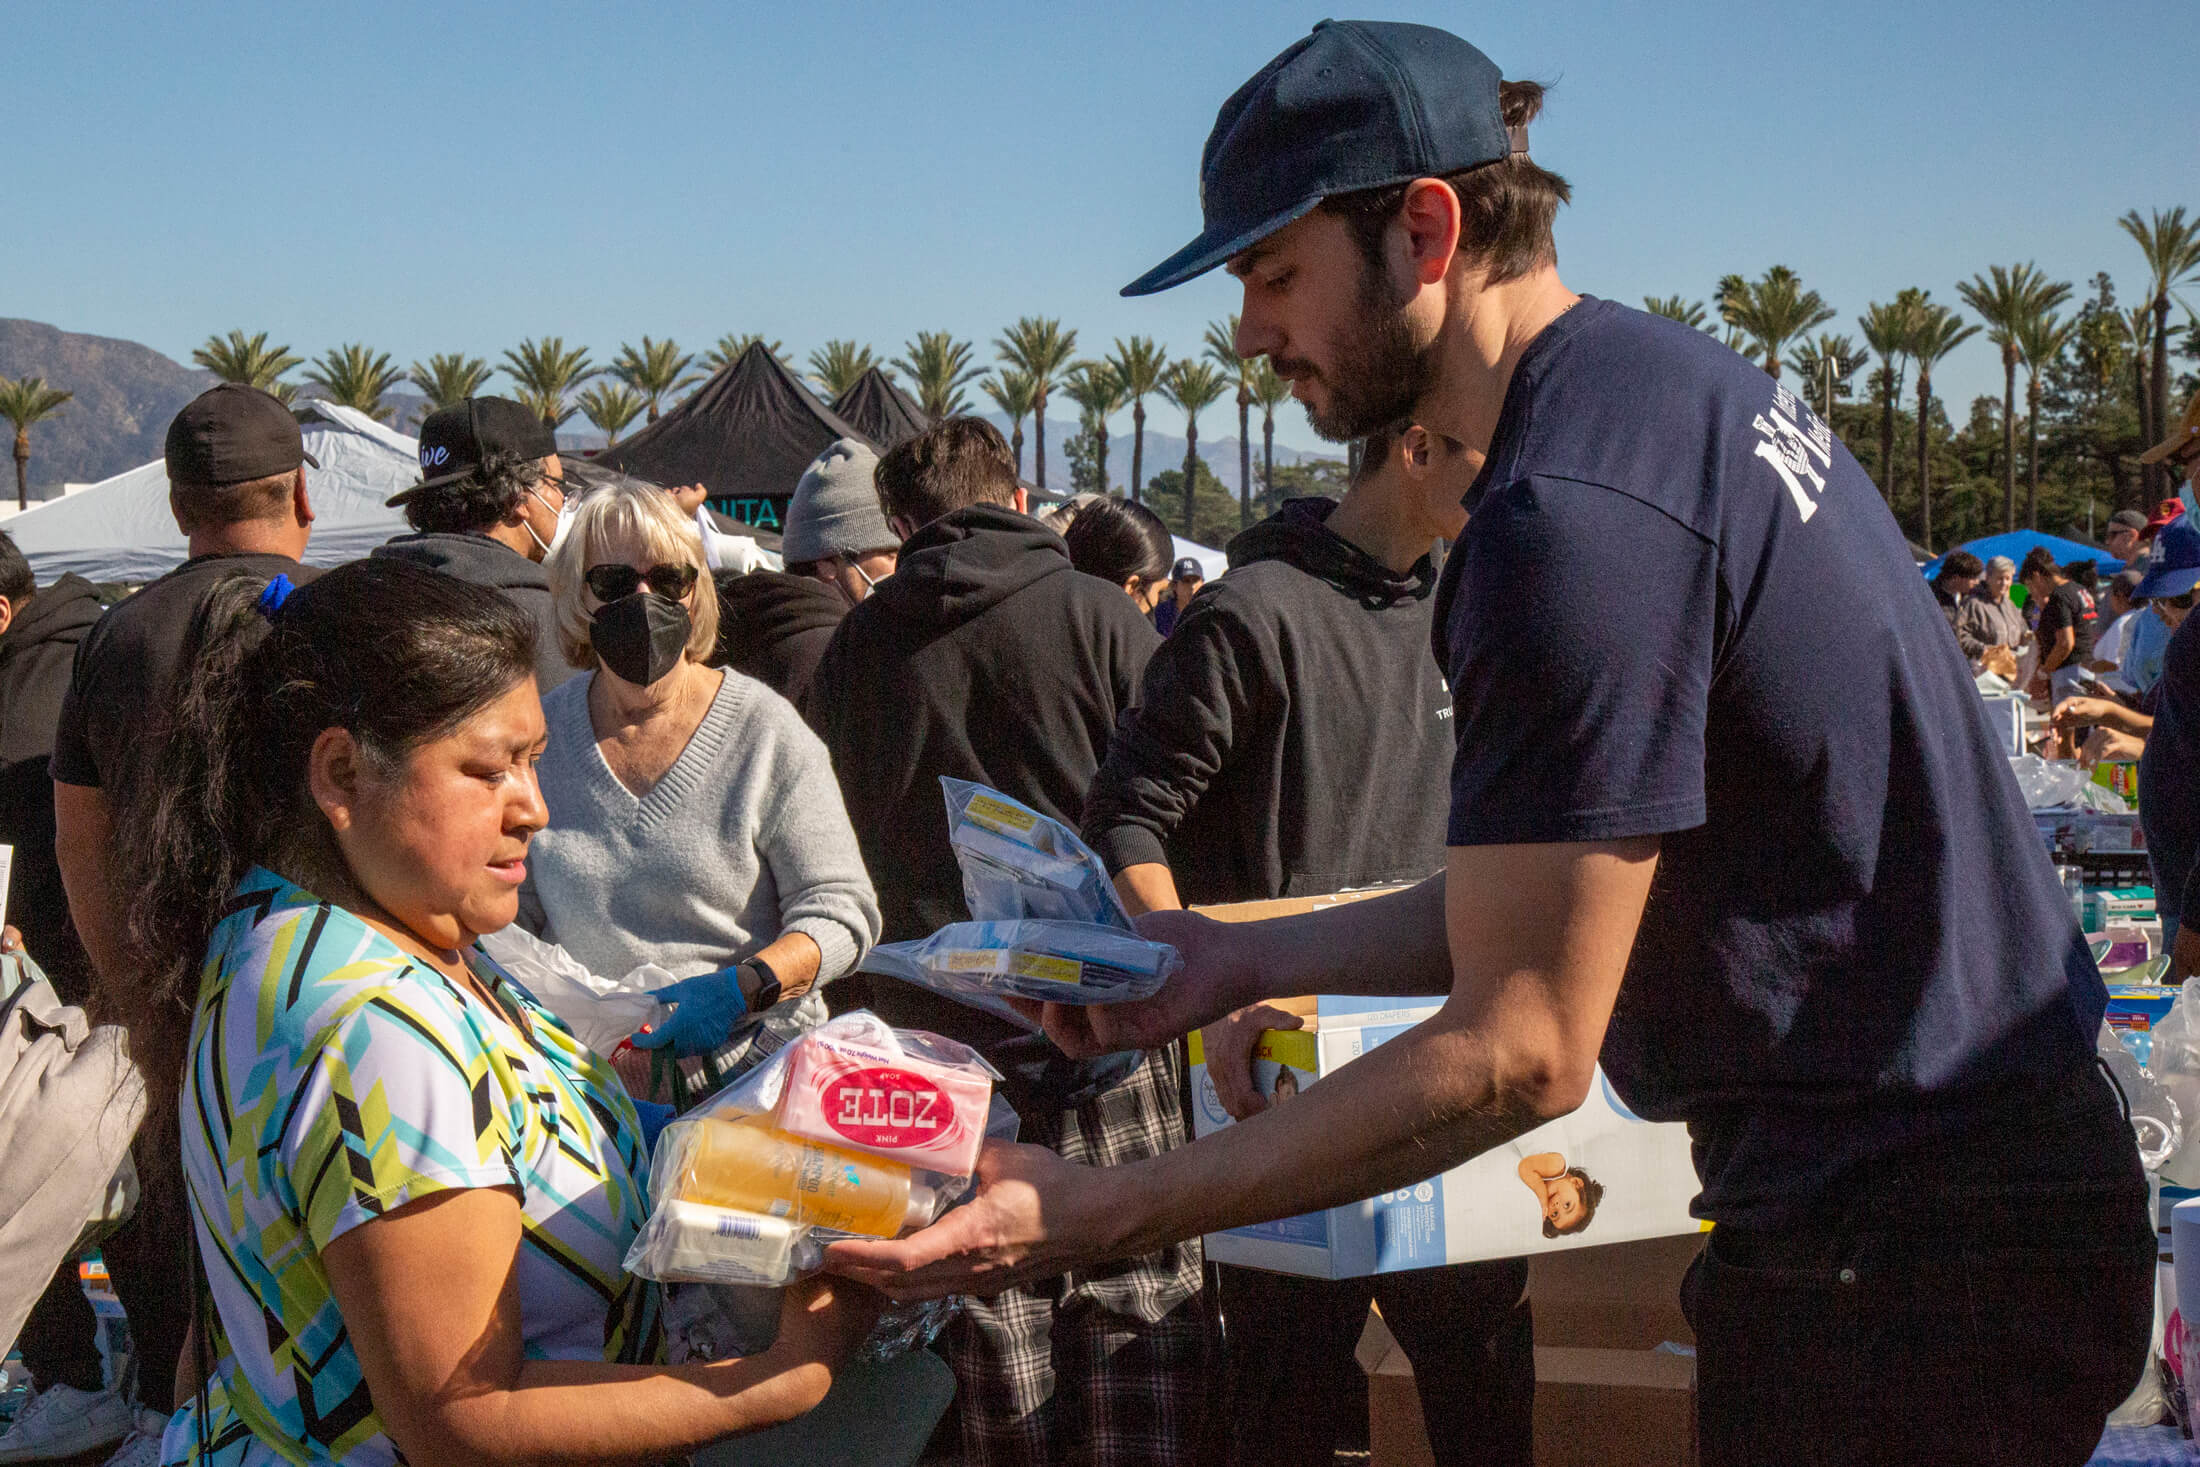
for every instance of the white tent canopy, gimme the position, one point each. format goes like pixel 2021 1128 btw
pixel 120 529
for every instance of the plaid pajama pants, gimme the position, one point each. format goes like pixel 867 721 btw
pixel 1103 1366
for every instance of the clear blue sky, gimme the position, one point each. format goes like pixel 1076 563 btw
pixel 457 176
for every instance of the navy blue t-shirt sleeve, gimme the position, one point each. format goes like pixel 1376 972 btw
pixel 1580 645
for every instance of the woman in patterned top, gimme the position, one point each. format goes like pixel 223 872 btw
pixel 411 1187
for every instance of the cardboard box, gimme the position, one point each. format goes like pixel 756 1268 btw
pixel 1593 1407
pixel 1626 1296
pixel 1481 1209
pixel 1476 1211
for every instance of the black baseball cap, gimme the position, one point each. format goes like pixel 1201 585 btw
pixel 454 441
pixel 1356 105
pixel 1188 569
pixel 232 433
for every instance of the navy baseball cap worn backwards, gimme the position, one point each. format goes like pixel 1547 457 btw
pixel 1356 105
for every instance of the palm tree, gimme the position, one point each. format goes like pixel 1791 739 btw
pixel 1827 364
pixel 545 372
pixel 656 371
pixel 1098 393
pixel 1271 392
pixel 940 367
pixel 2004 298
pixel 1675 308
pixel 610 408
pixel 1141 363
pixel 731 345
pixel 24 402
pixel 1192 385
pixel 1222 351
pixel 837 364
pixel 2172 250
pixel 1012 393
pixel 250 360
pixel 2041 338
pixel 449 378
pixel 1772 311
pixel 1040 349
pixel 1886 328
pixel 353 376
pixel 1935 331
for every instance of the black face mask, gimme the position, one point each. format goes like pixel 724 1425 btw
pixel 640 637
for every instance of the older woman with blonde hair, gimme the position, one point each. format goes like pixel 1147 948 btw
pixel 695 820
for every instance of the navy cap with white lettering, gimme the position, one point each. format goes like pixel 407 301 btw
pixel 1356 105
pixel 455 440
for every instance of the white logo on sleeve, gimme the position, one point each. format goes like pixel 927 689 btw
pixel 1798 444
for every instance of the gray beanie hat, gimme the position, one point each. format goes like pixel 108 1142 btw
pixel 835 509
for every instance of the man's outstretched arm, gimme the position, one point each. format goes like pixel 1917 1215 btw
pixel 1539 938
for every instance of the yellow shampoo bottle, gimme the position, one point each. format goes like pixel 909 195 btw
pixel 750 1165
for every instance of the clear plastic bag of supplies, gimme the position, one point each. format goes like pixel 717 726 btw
pixel 2157 1121
pixel 1019 864
pixel 2173 1062
pixel 2058 784
pixel 601 1012
pixel 1049 926
pixel 856 1129
pixel 1051 962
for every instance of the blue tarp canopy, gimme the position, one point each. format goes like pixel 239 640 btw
pixel 2018 543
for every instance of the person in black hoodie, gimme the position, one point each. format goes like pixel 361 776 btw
pixel 487 510
pixel 1282 745
pixel 988 657
pixel 775 625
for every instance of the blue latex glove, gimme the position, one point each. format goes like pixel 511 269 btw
pixel 704 1010
pixel 654 1119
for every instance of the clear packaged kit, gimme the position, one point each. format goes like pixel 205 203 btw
pixel 1048 925
pixel 856 1129
pixel 1050 962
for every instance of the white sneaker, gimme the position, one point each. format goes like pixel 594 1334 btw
pixel 141 1448
pixel 61 1421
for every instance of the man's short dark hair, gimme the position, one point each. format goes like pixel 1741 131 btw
pixel 2039 561
pixel 17 583
pixel 1961 563
pixel 1506 208
pixel 475 502
pixel 951 465
pixel 199 507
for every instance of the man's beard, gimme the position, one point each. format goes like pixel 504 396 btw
pixel 1379 375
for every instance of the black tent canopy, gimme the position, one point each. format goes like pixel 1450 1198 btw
pixel 883 411
pixel 746 435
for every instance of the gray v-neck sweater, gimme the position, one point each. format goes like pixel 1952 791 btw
pixel 744 839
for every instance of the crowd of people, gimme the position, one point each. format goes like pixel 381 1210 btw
pixel 264 816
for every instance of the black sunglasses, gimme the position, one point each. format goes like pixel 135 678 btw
pixel 617 582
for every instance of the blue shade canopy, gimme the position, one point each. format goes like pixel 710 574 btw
pixel 2017 544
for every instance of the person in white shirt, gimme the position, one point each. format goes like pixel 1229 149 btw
pixel 2109 646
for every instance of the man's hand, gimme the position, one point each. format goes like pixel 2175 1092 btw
pixel 2077 713
pixel 1220 973
pixel 1229 1044
pixel 1033 1216
pixel 2106 745
pixel 2184 954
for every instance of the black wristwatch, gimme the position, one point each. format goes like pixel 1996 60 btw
pixel 767 985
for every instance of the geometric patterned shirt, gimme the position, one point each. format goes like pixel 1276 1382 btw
pixel 332 1078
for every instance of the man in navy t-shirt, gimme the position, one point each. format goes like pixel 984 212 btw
pixel 1786 888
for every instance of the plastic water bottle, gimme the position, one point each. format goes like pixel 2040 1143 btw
pixel 2073 885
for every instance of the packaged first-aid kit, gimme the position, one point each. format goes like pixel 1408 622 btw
pixel 1048 925
pixel 854 1130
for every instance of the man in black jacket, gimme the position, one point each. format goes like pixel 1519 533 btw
pixel 1283 744
pixel 39 635
pixel 988 657
pixel 487 508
